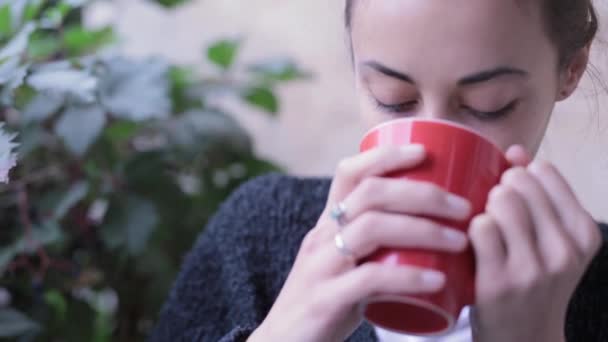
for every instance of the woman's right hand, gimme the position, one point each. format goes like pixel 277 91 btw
pixel 320 301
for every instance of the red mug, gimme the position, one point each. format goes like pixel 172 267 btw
pixel 462 162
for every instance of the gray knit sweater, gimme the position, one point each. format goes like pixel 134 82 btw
pixel 232 276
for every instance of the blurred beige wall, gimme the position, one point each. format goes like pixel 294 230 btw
pixel 319 124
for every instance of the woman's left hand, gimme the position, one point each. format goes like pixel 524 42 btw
pixel 533 245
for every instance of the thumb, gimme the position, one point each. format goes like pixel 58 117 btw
pixel 518 156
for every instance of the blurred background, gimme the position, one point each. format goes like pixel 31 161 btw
pixel 136 118
pixel 319 119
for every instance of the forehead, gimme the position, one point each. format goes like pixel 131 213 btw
pixel 468 33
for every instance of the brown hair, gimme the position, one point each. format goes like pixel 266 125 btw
pixel 571 24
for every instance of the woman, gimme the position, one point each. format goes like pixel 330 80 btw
pixel 267 268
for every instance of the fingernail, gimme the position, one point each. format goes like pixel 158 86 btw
pixel 433 279
pixel 455 237
pixel 413 148
pixel 459 204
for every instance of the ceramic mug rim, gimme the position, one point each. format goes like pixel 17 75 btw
pixel 417 302
pixel 434 121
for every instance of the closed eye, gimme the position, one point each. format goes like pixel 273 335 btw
pixel 397 107
pixel 492 115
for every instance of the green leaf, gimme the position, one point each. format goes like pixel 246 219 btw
pixel 6 21
pixel 75 194
pixel 223 53
pixel 7 90
pixel 18 45
pixel 281 69
pixel 55 300
pixel 263 98
pixel 135 90
pixel 196 131
pixel 146 173
pixel 22 96
pixel 78 40
pixel 41 107
pixel 131 223
pixel 46 233
pixel 30 138
pixel 121 131
pixel 62 79
pixel 7 69
pixel 256 167
pixel 183 82
pixel 12 73
pixel 32 9
pixel 170 3
pixel 182 76
pixel 80 126
pixel 77 3
pixel 43 45
pixel 92 169
pixel 102 331
pixel 53 17
pixel 14 323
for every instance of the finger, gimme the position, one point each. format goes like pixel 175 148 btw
pixel 488 245
pixel 556 187
pixel 372 279
pixel 374 230
pixel 555 245
pixel 510 212
pixel 490 258
pixel 576 221
pixel 517 155
pixel 376 162
pixel 407 197
pixel 377 229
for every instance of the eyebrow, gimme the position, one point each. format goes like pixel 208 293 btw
pixel 389 72
pixel 488 75
pixel 480 77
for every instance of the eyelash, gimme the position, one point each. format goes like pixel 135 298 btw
pixel 495 114
pixel 403 107
pixel 395 108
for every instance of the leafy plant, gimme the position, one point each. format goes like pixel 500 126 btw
pixel 121 163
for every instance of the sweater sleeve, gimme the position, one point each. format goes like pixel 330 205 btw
pixel 219 293
pixel 587 319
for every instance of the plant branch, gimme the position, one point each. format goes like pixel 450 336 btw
pixel 23 206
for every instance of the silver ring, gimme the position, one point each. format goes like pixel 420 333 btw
pixel 341 246
pixel 338 213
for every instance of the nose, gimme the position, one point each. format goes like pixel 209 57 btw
pixel 440 108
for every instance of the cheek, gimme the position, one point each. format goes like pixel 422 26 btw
pixel 528 132
pixel 370 115
pixel 526 126
pixel 535 121
pixel 541 103
pixel 536 131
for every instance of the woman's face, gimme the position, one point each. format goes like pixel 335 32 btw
pixel 487 64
